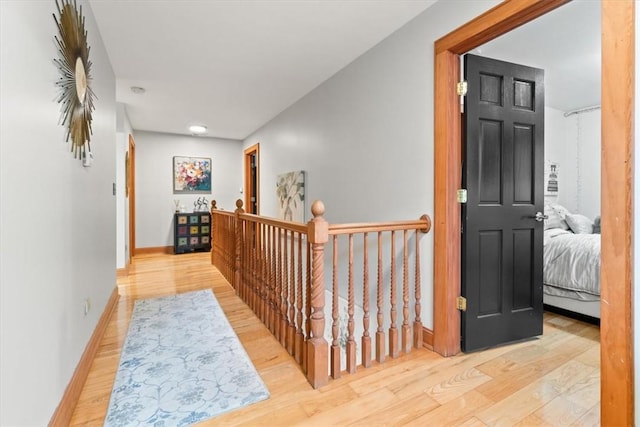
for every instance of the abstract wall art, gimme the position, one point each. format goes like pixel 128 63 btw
pixel 191 175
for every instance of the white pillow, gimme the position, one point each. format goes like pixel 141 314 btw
pixel 556 217
pixel 579 224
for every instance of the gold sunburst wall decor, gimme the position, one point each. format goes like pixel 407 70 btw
pixel 76 97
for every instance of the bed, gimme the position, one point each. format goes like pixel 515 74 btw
pixel 571 263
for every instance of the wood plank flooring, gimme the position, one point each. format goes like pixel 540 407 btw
pixel 553 381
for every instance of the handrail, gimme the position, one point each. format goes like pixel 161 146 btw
pixel 288 225
pixel 423 224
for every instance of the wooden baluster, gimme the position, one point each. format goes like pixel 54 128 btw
pixel 232 252
pixel 264 311
pixel 335 326
pixel 248 269
pixel 393 330
pixel 283 270
pixel 296 288
pixel 243 262
pixel 223 243
pixel 265 274
pixel 275 305
pixel 254 269
pixel 299 335
pixel 288 282
pixel 243 257
pixel 289 298
pixel 238 245
pixel 317 363
pixel 366 339
pixel 272 281
pixel 417 323
pixel 230 256
pixel 380 338
pixel 307 311
pixel 223 247
pixel 259 285
pixel 351 342
pixel 406 329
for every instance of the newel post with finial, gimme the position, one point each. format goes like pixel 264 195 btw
pixel 317 347
pixel 238 245
pixel 212 232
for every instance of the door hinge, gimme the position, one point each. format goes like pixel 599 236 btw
pixel 461 88
pixel 461 303
pixel 461 195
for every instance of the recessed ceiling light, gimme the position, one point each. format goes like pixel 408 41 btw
pixel 197 129
pixel 138 90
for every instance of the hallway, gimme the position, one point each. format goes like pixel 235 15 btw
pixel 553 380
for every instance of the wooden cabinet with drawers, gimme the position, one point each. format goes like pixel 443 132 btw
pixel 192 232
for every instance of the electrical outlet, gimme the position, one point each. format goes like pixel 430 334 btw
pixel 87 306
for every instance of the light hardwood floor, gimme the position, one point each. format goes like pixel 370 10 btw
pixel 554 380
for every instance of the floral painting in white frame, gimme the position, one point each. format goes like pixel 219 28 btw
pixel 290 191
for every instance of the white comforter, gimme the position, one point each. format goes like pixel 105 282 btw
pixel 572 261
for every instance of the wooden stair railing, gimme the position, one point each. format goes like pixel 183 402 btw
pixel 277 267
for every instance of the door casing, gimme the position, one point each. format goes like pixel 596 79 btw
pixel 131 175
pixel 618 100
pixel 251 187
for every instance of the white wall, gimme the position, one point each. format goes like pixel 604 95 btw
pixel 585 130
pixel 57 227
pixel 154 180
pixel 557 150
pixel 365 136
pixel 574 142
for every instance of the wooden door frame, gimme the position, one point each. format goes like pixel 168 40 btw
pixel 248 152
pixel 131 175
pixel 618 98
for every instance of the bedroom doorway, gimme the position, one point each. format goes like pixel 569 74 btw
pixel 618 99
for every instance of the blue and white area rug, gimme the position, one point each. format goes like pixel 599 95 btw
pixel 181 363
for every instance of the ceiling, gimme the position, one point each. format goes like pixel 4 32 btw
pixel 566 43
pixel 235 65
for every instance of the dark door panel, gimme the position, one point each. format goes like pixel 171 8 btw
pixel 503 174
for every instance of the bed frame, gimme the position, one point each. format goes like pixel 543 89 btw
pixel 588 311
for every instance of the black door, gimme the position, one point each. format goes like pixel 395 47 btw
pixel 503 174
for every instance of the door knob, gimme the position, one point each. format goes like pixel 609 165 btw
pixel 540 216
